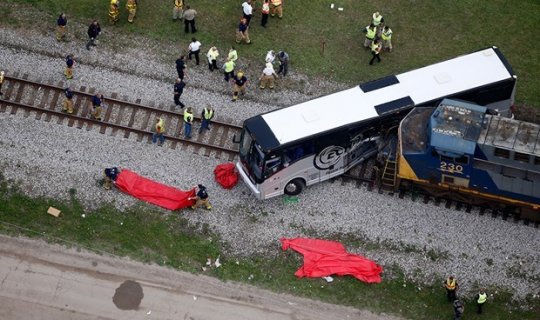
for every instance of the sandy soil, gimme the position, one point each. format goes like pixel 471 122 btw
pixel 43 281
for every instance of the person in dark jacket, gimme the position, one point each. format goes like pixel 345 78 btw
pixel 96 107
pixel 180 67
pixel 68 71
pixel 109 177
pixel 178 90
pixel 201 198
pixel 459 308
pixel 67 104
pixel 93 32
pixel 283 58
pixel 61 24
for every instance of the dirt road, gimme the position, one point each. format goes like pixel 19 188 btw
pixel 43 281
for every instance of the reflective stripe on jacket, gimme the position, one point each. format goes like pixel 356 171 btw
pixel 450 285
pixel 386 35
pixel 481 298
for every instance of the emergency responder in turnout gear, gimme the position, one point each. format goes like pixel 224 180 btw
pixel 178 9
pixel 188 121
pixel 1 82
pixel 451 287
pixel 268 76
pixel 276 6
pixel 114 13
pixel 61 24
pixel 67 104
pixel 95 113
pixel 371 33
pixel 386 37
pixel 159 131
pixel 131 6
pixel 109 177
pixel 212 56
pixel 240 84
pixel 68 72
pixel 206 116
pixel 201 199
pixel 481 298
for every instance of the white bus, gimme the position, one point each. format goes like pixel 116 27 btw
pixel 283 151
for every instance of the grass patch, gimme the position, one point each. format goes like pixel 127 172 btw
pixel 327 44
pixel 147 235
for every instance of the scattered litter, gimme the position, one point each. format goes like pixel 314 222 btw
pixel 83 215
pixel 121 223
pixel 209 262
pixel 340 9
pixel 404 285
pixel 328 279
pixel 332 6
pixel 53 212
pixel 419 289
pixel 250 277
pixel 322 287
pixel 290 199
pixel 237 262
pixel 291 303
pixel 195 298
pixel 149 312
pixel 203 268
pixel 216 263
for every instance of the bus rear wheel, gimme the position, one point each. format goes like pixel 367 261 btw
pixel 294 187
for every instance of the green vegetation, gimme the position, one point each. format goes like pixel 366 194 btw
pixel 424 32
pixel 148 235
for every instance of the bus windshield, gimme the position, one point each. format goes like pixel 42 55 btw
pixel 252 156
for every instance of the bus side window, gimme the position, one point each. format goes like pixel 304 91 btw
pixel 271 166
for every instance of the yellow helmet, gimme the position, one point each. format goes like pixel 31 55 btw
pixel 240 74
pixel 114 1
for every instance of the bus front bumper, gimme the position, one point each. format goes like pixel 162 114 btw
pixel 247 181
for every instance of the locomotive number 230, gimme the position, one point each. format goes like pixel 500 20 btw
pixel 451 167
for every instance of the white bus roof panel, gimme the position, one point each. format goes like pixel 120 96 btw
pixel 421 85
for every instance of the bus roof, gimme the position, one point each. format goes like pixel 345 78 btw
pixel 363 102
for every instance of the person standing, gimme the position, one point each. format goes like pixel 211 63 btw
pixel 233 55
pixel 159 132
pixel 68 72
pixel 188 121
pixel 212 56
pixel 61 26
pixel 267 77
pixel 242 33
pixel 283 58
pixel 1 82
pixel 228 69
pixel 270 57
pixel 114 13
pixel 481 298
pixel 201 199
pixel 206 116
pixel 240 84
pixel 247 9
pixel 189 20
pixel 93 32
pixel 178 9
pixel 451 287
pixel 375 51
pixel 459 308
pixel 194 48
pixel 97 99
pixel 178 90
pixel 276 6
pixel 67 104
pixel 181 67
pixel 371 33
pixel 265 12
pixel 378 22
pixel 131 6
pixel 386 37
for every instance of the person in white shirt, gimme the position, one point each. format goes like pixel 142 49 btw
pixel 270 56
pixel 194 49
pixel 247 9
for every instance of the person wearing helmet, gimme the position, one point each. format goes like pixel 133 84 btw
pixel 240 84
pixel 268 76
pixel 61 24
pixel 113 11
pixel 131 6
pixel 1 82
pixel 201 198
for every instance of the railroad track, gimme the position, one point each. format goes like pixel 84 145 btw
pixel 364 174
pixel 119 117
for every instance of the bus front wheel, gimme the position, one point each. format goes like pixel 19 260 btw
pixel 294 187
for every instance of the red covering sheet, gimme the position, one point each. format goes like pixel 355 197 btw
pixel 226 175
pixel 153 192
pixel 324 258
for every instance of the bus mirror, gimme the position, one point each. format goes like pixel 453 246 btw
pixel 235 139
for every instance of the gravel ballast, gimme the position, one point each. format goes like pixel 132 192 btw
pixel 426 241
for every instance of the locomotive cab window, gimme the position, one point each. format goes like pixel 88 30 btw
pixel 521 157
pixel 537 161
pixel 502 153
pixel 462 160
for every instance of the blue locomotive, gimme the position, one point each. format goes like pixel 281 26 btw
pixel 467 152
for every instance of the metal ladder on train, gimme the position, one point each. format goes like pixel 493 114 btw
pixel 388 180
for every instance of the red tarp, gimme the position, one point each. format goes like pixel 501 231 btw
pixel 324 258
pixel 153 192
pixel 226 175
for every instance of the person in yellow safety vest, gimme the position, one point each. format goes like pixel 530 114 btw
pixel 159 130
pixel 188 121
pixel 371 33
pixel 451 287
pixel 386 37
pixel 1 82
pixel 233 55
pixel 113 11
pixel 206 116
pixel 228 69
pixel 378 22
pixel 375 51
pixel 131 6
pixel 178 10
pixel 481 298
pixel 276 6
pixel 212 56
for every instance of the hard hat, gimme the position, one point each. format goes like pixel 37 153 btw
pixel 114 1
pixel 240 74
